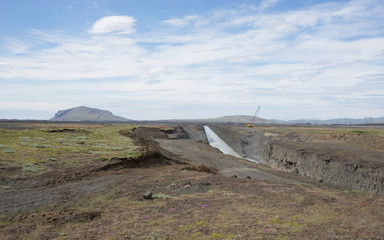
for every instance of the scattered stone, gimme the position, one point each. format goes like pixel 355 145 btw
pixel 203 183
pixel 234 176
pixel 249 177
pixel 148 195
pixel 202 168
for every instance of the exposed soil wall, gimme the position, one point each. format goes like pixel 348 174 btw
pixel 150 150
pixel 196 132
pixel 324 165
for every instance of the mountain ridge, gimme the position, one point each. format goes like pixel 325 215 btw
pixel 83 113
pixel 224 119
pixel 339 121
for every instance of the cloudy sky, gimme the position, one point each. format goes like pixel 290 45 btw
pixel 178 59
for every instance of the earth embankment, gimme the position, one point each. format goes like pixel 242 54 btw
pixel 194 150
pixel 353 159
pixel 354 169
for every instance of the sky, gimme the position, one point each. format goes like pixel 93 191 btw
pixel 190 59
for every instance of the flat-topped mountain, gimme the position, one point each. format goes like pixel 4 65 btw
pixel 87 114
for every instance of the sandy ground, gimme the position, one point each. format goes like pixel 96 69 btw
pixel 201 153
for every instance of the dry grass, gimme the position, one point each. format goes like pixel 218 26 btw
pixel 253 210
pixel 366 130
pixel 68 145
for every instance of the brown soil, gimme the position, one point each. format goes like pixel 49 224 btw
pixel 105 202
pixel 353 147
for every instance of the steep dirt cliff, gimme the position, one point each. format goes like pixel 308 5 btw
pixel 350 160
pixel 327 164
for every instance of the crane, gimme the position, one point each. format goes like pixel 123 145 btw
pixel 254 118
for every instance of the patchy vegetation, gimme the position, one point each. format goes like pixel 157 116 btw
pixel 188 202
pixel 330 130
pixel 34 149
pixel 231 209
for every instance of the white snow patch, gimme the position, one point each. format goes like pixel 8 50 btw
pixel 216 142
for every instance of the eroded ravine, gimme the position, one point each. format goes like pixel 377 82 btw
pixel 349 160
pixel 198 152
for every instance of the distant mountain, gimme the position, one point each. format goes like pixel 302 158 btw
pixel 87 114
pixel 226 119
pixel 335 121
pixel 237 119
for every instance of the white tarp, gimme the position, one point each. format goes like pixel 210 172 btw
pixel 217 142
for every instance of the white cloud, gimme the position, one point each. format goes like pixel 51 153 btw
pixel 16 46
pixel 223 61
pixel 28 105
pixel 121 24
pixel 264 4
pixel 181 22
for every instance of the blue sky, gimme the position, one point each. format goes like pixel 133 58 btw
pixel 179 59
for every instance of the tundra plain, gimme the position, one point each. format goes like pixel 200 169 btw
pixel 86 181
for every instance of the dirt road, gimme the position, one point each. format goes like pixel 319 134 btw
pixel 201 153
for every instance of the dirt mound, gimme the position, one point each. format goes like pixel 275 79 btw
pixel 150 150
pixel 147 132
pixel 157 132
pixel 151 159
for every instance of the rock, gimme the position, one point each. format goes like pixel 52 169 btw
pixel 234 176
pixel 148 195
pixel 338 166
pixel 203 183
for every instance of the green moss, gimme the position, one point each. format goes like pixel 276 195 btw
pixel 228 194
pixel 71 143
pixel 24 139
pixel 8 151
pixel 361 132
pixel 160 196
pixel 156 236
pixel 30 168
